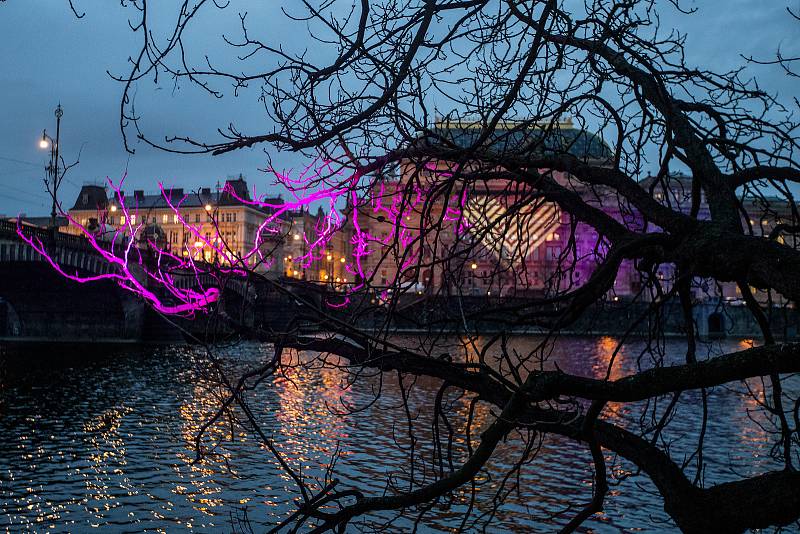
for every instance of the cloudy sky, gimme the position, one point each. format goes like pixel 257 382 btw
pixel 49 57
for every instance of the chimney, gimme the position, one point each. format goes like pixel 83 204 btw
pixel 177 192
pixel 205 191
pixel 138 194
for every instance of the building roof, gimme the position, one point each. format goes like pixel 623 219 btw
pixel 91 197
pixel 94 197
pixel 520 138
pixel 677 188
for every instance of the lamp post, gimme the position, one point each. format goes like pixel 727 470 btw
pixel 54 177
pixel 330 268
pixel 212 212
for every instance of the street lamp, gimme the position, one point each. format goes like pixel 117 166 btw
pixel 54 177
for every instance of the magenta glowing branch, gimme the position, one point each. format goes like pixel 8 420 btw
pixel 126 260
pixel 152 270
pixel 302 189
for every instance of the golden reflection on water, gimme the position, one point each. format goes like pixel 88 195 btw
pixel 752 393
pixel 197 477
pixel 471 347
pixel 107 460
pixel 301 409
pixel 747 343
pixel 609 359
pixel 307 392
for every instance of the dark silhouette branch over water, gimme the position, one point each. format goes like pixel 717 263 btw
pixel 503 75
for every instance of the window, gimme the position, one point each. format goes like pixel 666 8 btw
pixel 197 217
pixel 164 218
pixel 133 219
pixel 122 220
pixel 175 218
pixel 234 216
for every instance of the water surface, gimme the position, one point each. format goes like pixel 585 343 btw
pixel 105 441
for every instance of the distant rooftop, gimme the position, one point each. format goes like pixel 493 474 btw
pixel 94 197
pixel 529 138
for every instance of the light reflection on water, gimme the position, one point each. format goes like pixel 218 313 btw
pixel 107 441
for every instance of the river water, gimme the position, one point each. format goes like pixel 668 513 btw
pixel 104 442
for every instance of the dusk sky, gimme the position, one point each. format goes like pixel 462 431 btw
pixel 48 56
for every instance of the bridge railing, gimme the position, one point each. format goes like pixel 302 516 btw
pixel 8 229
pixel 61 245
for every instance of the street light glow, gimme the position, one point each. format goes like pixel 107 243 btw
pixel 43 144
pixel 208 207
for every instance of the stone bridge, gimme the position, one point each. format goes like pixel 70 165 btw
pixel 39 304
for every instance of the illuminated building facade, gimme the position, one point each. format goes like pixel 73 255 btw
pixel 216 213
pixel 536 250
pixel 413 238
pixel 326 266
pixel 489 254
